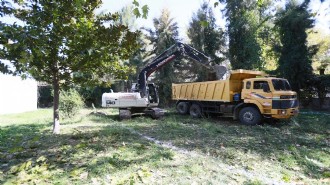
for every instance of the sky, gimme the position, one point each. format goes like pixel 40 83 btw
pixel 182 11
pixel 322 11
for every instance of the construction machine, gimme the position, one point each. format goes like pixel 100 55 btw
pixel 143 97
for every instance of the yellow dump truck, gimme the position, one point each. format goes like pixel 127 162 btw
pixel 246 95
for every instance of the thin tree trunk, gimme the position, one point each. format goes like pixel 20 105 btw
pixel 56 113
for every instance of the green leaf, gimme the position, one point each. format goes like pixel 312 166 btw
pixel 81 145
pixel 216 4
pixel 36 138
pixel 260 3
pixel 16 149
pixel 41 159
pixel 75 172
pixel 22 167
pixel 13 169
pixel 136 12
pixel 204 23
pixel 145 11
pixel 135 3
pixel 28 164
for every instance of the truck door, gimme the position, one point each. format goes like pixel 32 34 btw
pixel 246 90
pixel 260 91
pixel 257 90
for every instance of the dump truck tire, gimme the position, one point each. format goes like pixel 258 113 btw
pixel 249 116
pixel 195 111
pixel 182 108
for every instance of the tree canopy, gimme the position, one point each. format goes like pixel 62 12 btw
pixel 244 49
pixel 295 62
pixel 321 60
pixel 61 42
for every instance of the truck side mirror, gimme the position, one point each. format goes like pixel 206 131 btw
pixel 265 87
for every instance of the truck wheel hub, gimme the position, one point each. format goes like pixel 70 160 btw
pixel 248 116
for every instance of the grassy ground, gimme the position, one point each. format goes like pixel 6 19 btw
pixel 98 149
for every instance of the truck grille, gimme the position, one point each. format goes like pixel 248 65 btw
pixel 284 104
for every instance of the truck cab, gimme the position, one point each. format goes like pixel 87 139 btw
pixel 273 96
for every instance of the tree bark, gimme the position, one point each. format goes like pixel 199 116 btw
pixel 56 100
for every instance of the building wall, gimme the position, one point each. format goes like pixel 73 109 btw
pixel 17 95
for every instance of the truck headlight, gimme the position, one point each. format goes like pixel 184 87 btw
pixel 283 112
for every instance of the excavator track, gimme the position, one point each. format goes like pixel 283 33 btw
pixel 155 113
pixel 124 114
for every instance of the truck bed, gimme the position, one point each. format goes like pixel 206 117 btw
pixel 220 90
pixel 203 91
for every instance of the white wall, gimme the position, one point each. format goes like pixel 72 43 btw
pixel 17 95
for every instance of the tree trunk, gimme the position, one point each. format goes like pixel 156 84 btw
pixel 56 113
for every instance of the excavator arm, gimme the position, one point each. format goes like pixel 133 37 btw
pixel 175 51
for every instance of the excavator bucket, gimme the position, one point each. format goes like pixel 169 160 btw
pixel 220 71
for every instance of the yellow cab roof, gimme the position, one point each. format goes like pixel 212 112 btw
pixel 241 74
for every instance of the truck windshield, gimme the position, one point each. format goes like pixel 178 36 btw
pixel 281 85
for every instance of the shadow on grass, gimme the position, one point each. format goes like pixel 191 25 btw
pixel 301 144
pixel 104 118
pixel 32 149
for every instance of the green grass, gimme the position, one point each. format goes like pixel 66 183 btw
pixel 95 149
